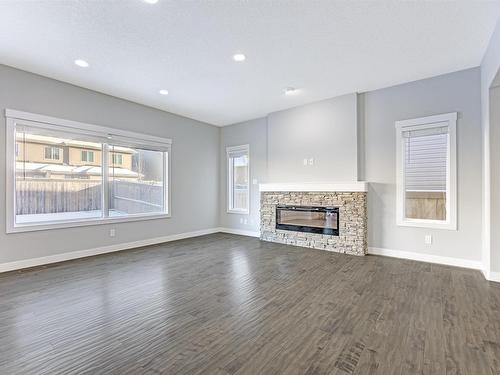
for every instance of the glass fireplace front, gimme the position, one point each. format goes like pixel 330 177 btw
pixel 310 219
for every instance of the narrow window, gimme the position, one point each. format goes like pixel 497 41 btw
pixel 238 162
pixel 426 163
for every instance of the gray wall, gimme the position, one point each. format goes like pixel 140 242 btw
pixel 325 131
pixel 456 92
pixel 295 134
pixel 195 151
pixel 254 133
pixel 495 176
pixel 489 69
pixel 198 154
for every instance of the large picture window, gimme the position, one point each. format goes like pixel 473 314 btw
pixel 426 170
pixel 61 173
pixel 238 162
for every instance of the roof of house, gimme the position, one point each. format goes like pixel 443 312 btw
pixel 68 169
pixel 43 139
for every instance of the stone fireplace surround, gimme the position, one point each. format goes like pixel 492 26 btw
pixel 350 198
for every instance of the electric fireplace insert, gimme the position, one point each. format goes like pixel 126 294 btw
pixel 309 219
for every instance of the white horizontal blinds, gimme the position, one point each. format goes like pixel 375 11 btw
pixel 237 153
pixel 426 153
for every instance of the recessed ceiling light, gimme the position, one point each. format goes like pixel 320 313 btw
pixel 163 92
pixel 239 57
pixel 151 1
pixel 290 91
pixel 81 63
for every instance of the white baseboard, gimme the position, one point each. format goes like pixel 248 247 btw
pixel 241 232
pixel 27 263
pixel 457 262
pixel 491 276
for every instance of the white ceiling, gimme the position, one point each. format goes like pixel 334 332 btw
pixel 325 48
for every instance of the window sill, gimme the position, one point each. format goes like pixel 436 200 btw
pixel 31 227
pixel 239 212
pixel 432 224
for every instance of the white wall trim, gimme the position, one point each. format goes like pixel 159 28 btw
pixel 421 257
pixel 494 276
pixel 356 186
pixel 56 258
pixel 241 232
pixel 33 262
pixel 491 276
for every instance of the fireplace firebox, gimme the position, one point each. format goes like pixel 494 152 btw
pixel 310 219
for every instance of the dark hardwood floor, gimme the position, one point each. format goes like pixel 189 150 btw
pixel 224 304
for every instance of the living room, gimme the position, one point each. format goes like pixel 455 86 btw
pixel 250 187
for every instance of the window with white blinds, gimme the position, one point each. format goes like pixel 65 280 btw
pixel 426 155
pixel 426 171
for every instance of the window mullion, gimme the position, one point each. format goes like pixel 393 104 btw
pixel 105 180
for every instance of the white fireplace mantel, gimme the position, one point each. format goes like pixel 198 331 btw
pixel 354 186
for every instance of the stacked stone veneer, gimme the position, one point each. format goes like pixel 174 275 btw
pixel 352 237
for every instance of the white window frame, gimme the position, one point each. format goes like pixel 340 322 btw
pixel 446 119
pixel 114 157
pixel 229 151
pixel 111 135
pixel 87 154
pixel 52 148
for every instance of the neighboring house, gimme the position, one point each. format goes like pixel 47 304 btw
pixel 56 158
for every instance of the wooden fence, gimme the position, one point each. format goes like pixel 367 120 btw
pixel 426 205
pixel 133 197
pixel 43 196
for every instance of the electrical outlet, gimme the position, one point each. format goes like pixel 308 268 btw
pixel 305 161
pixel 254 181
pixel 428 239
pixel 112 232
pixel 245 221
pixel 311 161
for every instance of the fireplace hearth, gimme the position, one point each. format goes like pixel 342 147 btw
pixel 308 219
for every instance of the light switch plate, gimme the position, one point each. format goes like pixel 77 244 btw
pixel 428 239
